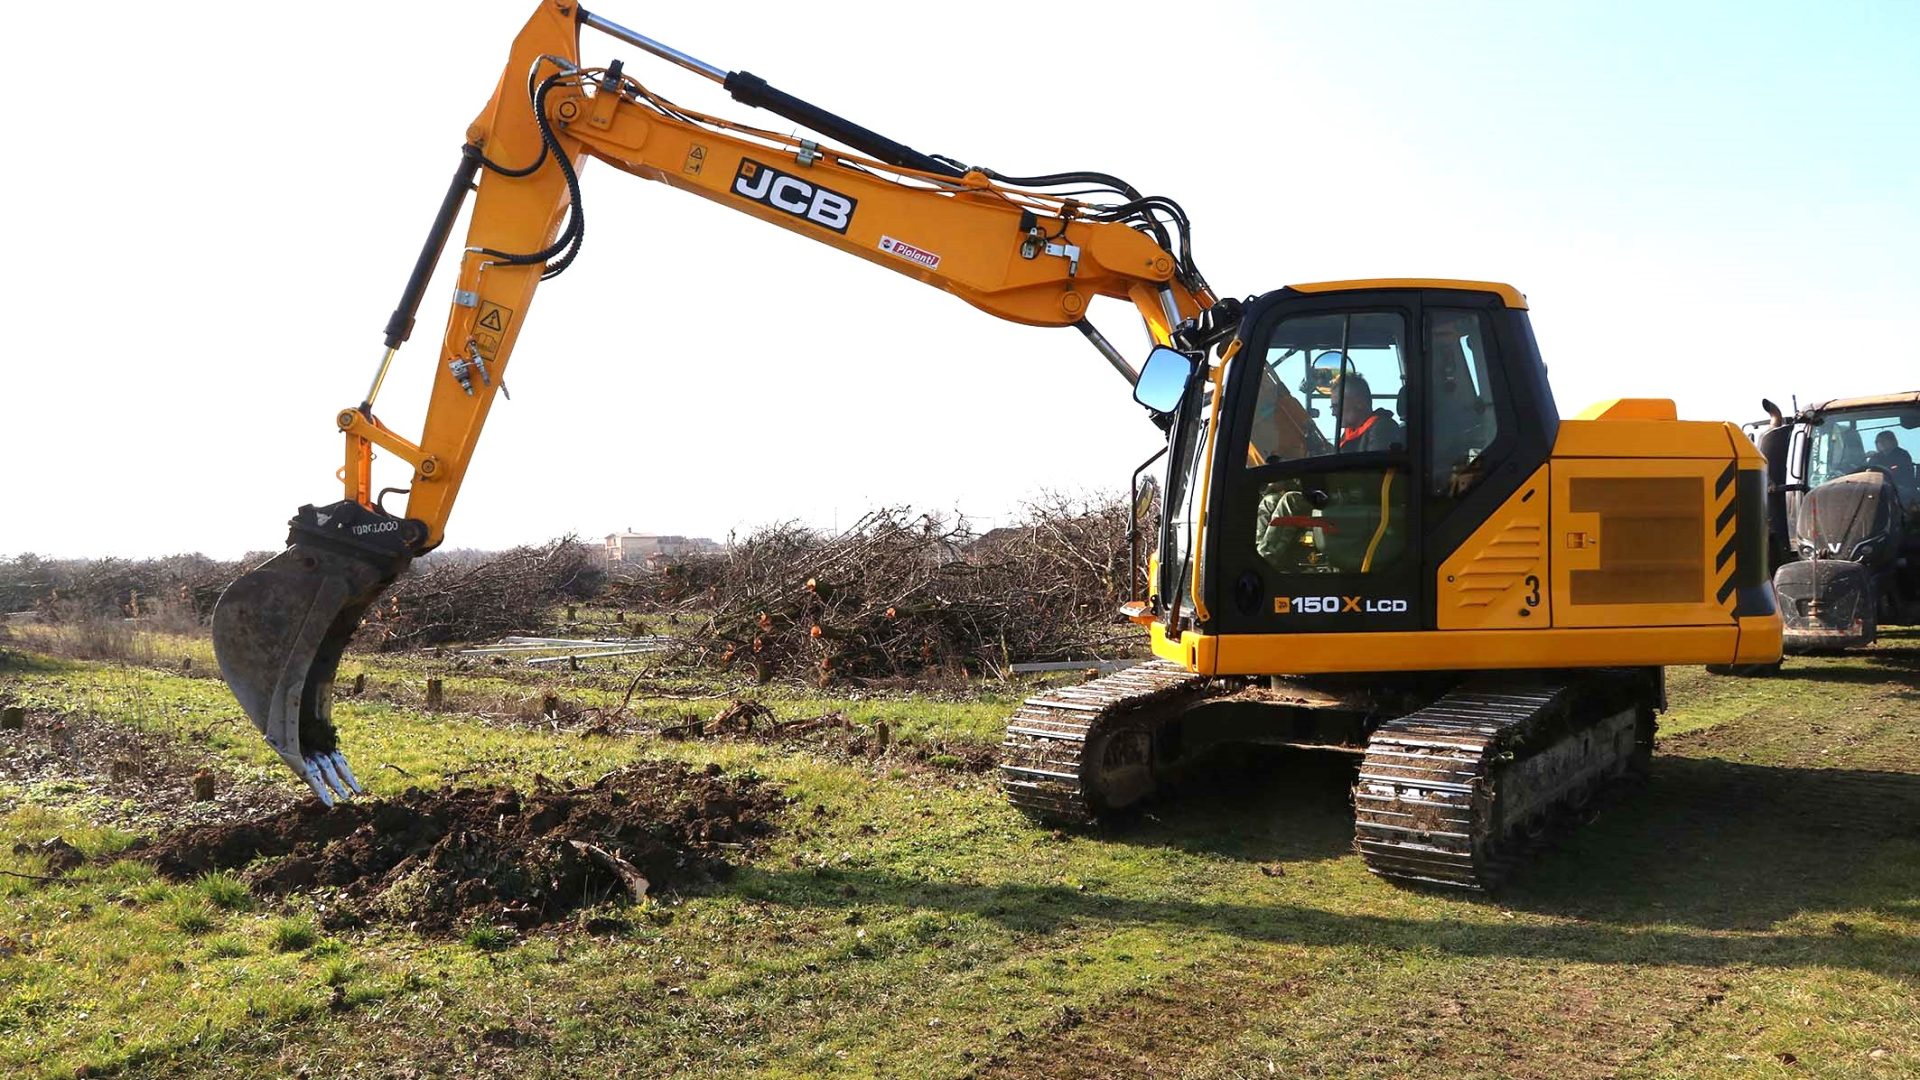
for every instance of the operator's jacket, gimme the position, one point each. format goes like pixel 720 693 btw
pixel 1353 509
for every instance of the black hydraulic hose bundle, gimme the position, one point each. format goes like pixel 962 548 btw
pixel 567 245
pixel 1150 213
pixel 1141 210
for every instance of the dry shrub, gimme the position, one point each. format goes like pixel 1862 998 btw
pixel 179 588
pixel 901 593
pixel 94 637
pixel 471 596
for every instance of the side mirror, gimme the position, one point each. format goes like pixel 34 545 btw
pixel 1163 379
pixel 1143 500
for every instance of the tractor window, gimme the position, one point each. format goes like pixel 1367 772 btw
pixel 1460 400
pixel 1332 384
pixel 1849 442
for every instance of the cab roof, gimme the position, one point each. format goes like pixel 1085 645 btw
pixel 1508 295
pixel 1911 397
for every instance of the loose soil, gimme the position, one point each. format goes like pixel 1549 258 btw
pixel 124 776
pixel 831 735
pixel 438 859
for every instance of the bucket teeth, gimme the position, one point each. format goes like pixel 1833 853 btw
pixel 330 778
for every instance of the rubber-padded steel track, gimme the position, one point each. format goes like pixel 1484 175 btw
pixel 1074 753
pixel 1454 793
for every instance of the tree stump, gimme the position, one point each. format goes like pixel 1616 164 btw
pixel 203 786
pixel 13 718
pixel 436 693
pixel 550 706
pixel 880 736
pixel 359 684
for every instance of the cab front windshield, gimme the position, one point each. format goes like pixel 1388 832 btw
pixel 1888 440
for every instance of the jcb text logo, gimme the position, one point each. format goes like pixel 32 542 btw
pixel 766 184
pixel 1335 605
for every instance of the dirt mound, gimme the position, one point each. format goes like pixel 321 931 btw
pixel 439 858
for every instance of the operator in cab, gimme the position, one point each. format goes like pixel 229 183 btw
pixel 1369 535
pixel 1363 428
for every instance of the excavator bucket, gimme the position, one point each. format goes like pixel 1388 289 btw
pixel 279 630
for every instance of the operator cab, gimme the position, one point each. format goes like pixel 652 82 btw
pixel 1377 425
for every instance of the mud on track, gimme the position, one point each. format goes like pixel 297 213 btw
pixel 438 859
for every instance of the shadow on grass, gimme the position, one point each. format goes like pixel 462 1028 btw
pixel 1041 909
pixel 1897 671
pixel 1710 843
pixel 1707 846
pixel 1728 846
pixel 1250 804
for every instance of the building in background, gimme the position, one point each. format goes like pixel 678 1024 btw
pixel 633 547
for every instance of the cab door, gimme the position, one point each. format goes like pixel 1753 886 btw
pixel 1317 519
pixel 1368 435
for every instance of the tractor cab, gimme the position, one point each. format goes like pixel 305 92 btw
pixel 1846 517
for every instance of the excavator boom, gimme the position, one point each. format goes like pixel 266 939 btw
pixel 1019 248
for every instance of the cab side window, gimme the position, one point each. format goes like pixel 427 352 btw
pixel 1460 400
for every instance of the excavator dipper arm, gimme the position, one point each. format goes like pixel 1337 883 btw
pixel 1004 245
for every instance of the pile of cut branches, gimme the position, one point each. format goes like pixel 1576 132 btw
pixel 468 596
pixel 66 590
pixel 665 585
pixel 900 593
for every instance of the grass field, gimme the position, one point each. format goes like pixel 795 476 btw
pixel 1753 911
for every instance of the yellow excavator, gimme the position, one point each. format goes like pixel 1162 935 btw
pixel 1377 534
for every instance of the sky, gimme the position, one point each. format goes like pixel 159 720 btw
pixel 215 209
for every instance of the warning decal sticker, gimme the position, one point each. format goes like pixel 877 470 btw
pixel 491 327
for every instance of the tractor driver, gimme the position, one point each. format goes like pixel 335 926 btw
pixel 1888 454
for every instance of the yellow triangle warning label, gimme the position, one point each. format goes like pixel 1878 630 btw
pixel 491 320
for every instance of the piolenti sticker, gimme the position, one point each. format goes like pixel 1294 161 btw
pixel 900 249
pixel 763 183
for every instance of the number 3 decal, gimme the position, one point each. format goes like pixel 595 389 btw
pixel 1533 591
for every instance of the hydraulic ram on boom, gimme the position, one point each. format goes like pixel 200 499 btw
pixel 1006 245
